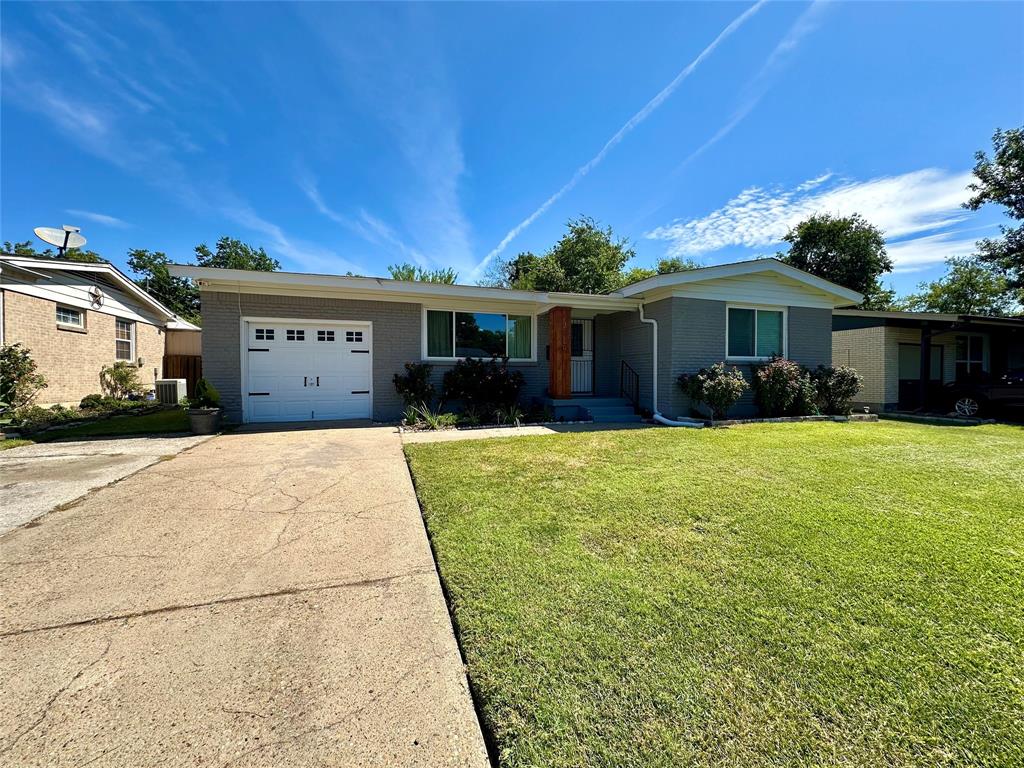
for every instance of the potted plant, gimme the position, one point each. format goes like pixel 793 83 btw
pixel 203 408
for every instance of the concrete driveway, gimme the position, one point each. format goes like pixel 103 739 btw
pixel 37 478
pixel 262 599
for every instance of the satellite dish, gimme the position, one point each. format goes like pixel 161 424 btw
pixel 95 297
pixel 64 238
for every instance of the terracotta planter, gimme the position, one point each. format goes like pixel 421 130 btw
pixel 203 421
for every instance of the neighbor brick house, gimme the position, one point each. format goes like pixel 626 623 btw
pixel 907 358
pixel 284 346
pixel 77 318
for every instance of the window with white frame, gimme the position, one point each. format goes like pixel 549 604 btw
pixel 970 356
pixel 452 335
pixel 753 333
pixel 70 316
pixel 325 335
pixel 124 339
pixel 264 334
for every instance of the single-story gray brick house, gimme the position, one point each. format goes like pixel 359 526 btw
pixel 285 346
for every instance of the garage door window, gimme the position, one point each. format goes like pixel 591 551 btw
pixel 354 337
pixel 264 334
pixel 325 335
pixel 293 334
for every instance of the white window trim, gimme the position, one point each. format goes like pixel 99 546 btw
pixel 764 308
pixel 423 333
pixel 131 341
pixel 81 317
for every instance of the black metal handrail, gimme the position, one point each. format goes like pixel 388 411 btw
pixel 629 384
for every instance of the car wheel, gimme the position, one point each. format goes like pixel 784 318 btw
pixel 967 405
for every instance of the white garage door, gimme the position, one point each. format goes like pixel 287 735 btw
pixel 303 371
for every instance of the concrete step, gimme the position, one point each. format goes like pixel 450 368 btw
pixel 617 419
pixel 591 402
pixel 617 410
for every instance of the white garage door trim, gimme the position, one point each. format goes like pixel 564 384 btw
pixel 243 344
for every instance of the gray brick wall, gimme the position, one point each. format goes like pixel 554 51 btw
pixel 396 341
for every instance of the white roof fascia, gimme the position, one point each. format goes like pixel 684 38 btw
pixel 678 279
pixel 375 288
pixel 56 265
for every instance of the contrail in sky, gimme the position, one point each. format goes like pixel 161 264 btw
pixel 632 123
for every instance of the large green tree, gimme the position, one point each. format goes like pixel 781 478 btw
pixel 25 248
pixel 663 267
pixel 231 253
pixel 844 249
pixel 410 272
pixel 1000 180
pixel 969 287
pixel 587 259
pixel 178 294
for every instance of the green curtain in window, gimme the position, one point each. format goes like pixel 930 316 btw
pixel 439 334
pixel 520 334
pixel 769 333
pixel 741 333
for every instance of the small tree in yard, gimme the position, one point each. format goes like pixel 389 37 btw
pixel 717 387
pixel 19 382
pixel 121 380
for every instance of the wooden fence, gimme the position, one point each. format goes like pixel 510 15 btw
pixel 188 367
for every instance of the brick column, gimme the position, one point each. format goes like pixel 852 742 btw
pixel 560 340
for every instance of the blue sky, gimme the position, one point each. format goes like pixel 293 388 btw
pixel 347 137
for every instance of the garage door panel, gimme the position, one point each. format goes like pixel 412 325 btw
pixel 309 371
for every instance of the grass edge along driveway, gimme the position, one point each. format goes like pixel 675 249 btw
pixel 774 594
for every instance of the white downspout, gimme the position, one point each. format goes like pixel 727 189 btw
pixel 654 375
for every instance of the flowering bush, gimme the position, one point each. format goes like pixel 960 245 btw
pixel 483 386
pixel 836 387
pixel 783 388
pixel 717 387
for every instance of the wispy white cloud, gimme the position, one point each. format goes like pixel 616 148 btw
pixel 99 218
pixel 908 204
pixel 920 252
pixel 392 70
pixel 619 135
pixel 807 22
pixel 125 122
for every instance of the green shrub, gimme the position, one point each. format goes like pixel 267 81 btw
pixel 483 386
pixel 836 387
pixel 783 388
pixel 206 396
pixel 421 416
pixel 121 380
pixel 32 418
pixel 512 415
pixel 717 387
pixel 414 385
pixel 92 401
pixel 19 381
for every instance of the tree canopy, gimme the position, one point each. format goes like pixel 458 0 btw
pixel 25 248
pixel 178 294
pixel 844 249
pixel 1000 180
pixel 410 272
pixel 231 253
pixel 969 287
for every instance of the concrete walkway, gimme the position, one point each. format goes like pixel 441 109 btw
pixel 37 478
pixel 264 599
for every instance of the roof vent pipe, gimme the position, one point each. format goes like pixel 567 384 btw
pixel 654 376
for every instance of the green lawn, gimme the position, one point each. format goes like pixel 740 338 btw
pixel 159 422
pixel 783 594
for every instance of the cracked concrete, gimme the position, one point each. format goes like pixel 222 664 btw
pixel 37 478
pixel 263 599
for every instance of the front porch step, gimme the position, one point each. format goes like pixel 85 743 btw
pixel 589 402
pixel 609 411
pixel 619 418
